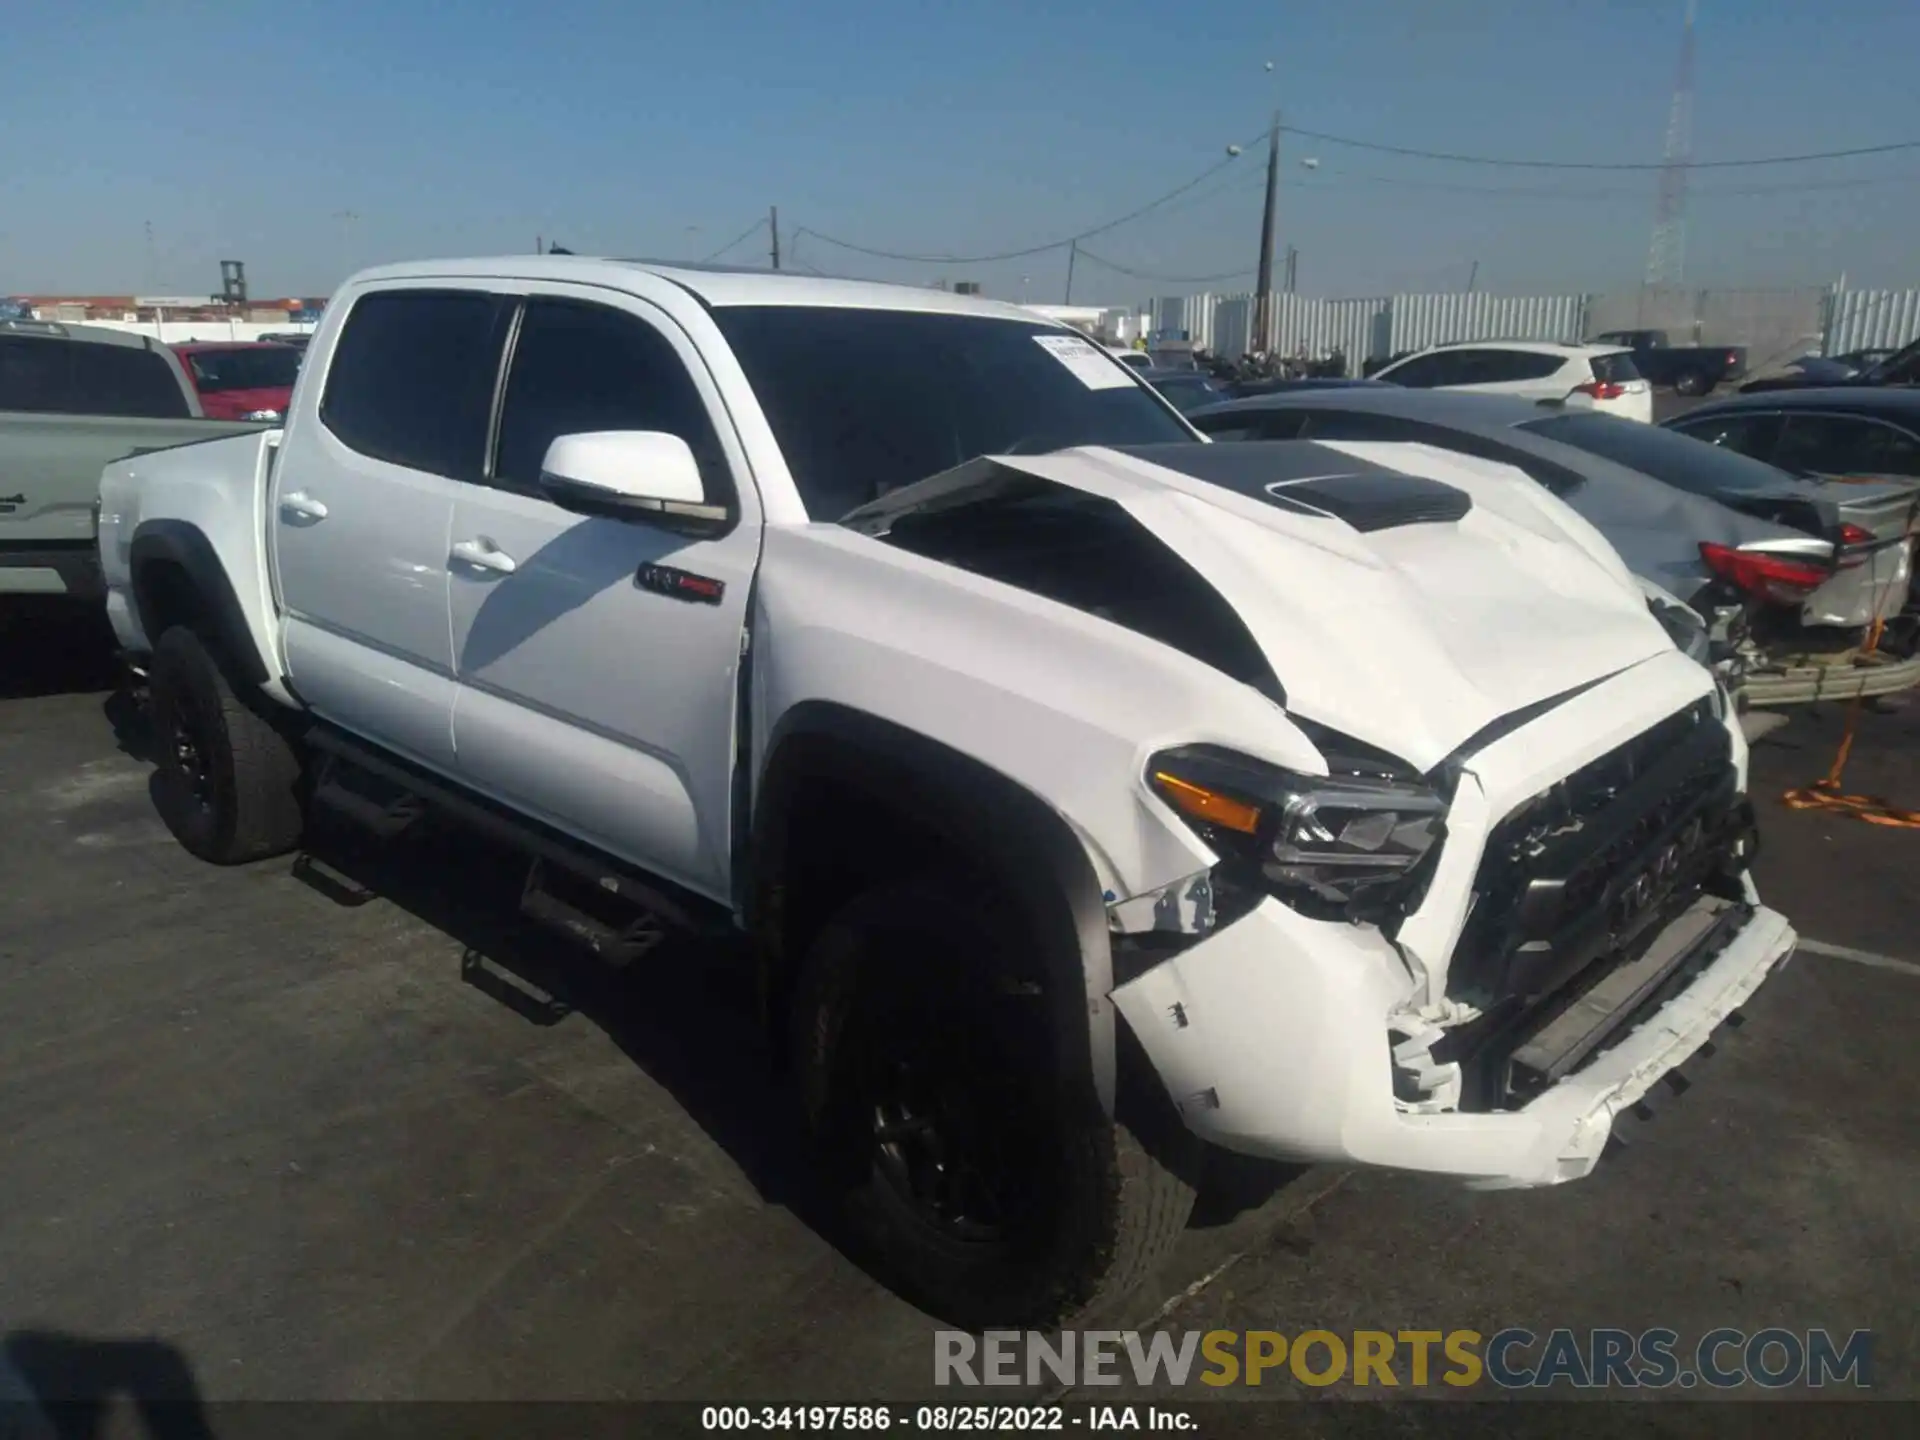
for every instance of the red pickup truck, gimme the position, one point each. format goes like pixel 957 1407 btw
pixel 241 380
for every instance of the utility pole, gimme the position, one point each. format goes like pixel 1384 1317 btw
pixel 1073 253
pixel 1473 275
pixel 773 226
pixel 1263 302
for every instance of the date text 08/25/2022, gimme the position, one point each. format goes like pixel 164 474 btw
pixel 919 1419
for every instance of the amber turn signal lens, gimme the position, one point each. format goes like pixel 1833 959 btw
pixel 1208 805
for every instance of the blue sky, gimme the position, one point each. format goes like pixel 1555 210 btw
pixel 249 130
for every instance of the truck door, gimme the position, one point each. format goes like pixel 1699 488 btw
pixel 593 695
pixel 361 500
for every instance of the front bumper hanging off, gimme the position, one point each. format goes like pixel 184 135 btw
pixel 1276 1035
pixel 1268 1049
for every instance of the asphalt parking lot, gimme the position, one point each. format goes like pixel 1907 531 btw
pixel 292 1133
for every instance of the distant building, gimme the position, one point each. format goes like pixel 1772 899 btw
pixel 130 308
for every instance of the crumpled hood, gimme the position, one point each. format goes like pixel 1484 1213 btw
pixel 1409 634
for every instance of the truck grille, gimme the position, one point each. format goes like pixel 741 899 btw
pixel 1580 871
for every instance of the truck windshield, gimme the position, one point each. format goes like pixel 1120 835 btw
pixel 865 401
pixel 262 367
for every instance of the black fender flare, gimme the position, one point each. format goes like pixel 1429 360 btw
pixel 1021 839
pixel 178 542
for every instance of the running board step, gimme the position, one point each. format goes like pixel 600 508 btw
pixel 384 817
pixel 618 942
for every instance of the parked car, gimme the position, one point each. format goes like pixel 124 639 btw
pixel 1374 364
pixel 1247 389
pixel 1902 367
pixel 1185 389
pixel 1803 370
pixel 1067 776
pixel 1684 369
pixel 74 398
pixel 242 380
pixel 1860 361
pixel 1863 441
pixel 1766 558
pixel 1132 359
pixel 1594 377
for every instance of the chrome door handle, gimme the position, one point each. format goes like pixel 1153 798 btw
pixel 298 502
pixel 483 554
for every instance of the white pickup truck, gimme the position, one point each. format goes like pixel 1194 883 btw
pixel 1090 794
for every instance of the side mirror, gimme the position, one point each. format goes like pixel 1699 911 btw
pixel 645 475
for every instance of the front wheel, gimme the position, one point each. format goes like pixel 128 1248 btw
pixel 229 782
pixel 983 1192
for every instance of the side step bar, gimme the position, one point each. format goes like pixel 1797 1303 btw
pixel 664 906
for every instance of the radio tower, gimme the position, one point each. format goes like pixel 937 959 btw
pixel 1667 255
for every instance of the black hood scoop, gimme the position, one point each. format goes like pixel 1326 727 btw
pixel 1311 479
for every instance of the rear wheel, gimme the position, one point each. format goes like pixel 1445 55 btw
pixel 229 782
pixel 985 1193
pixel 1690 382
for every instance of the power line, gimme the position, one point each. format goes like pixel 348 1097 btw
pixel 1061 243
pixel 1170 279
pixel 1508 163
pixel 744 236
pixel 1345 181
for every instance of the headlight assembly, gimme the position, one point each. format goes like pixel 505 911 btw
pixel 1342 846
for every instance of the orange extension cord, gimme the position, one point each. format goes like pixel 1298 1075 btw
pixel 1826 794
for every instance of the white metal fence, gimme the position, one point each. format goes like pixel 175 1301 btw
pixel 1773 325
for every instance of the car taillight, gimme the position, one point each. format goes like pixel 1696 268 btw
pixel 1852 537
pixel 1770 577
pixel 1601 390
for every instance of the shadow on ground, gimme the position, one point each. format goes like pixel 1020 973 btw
pixel 53 647
pixel 55 1386
pixel 687 1016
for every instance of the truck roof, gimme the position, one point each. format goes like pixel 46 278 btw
pixel 715 285
pixel 89 334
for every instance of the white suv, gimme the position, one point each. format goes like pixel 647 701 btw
pixel 1591 377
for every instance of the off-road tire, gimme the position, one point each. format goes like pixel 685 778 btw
pixel 1105 1210
pixel 249 805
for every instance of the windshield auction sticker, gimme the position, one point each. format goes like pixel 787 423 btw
pixel 1089 366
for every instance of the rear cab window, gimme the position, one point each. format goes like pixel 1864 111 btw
pixel 411 378
pixel 78 377
pixel 863 402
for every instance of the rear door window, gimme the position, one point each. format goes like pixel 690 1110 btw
pixel 1423 372
pixel 1743 433
pixel 1500 367
pixel 1846 445
pixel 412 376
